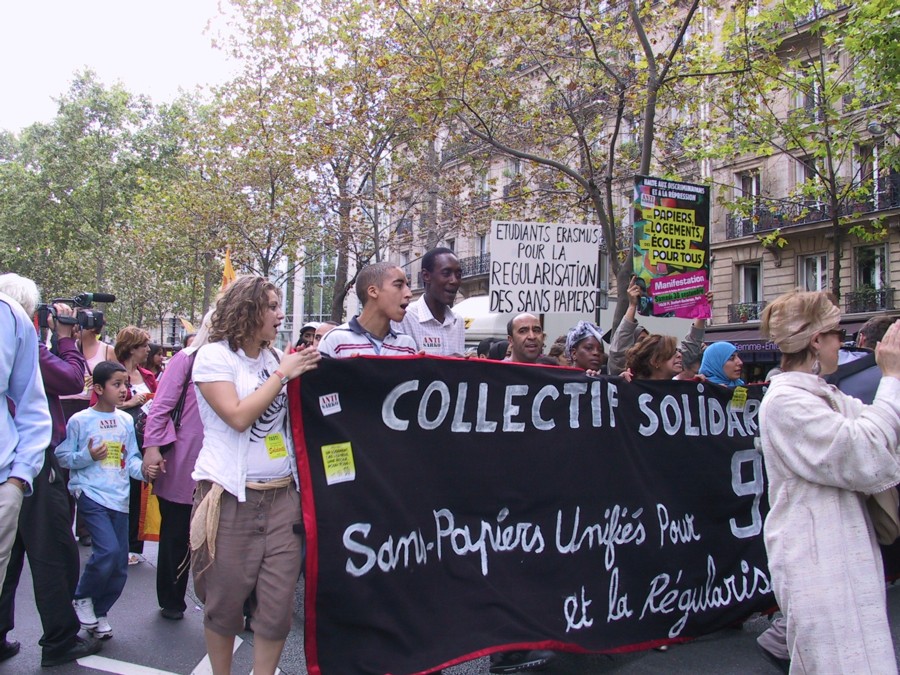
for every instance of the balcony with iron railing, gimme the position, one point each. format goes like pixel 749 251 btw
pixel 742 312
pixel 475 265
pixel 471 266
pixel 869 300
pixel 480 199
pixel 458 148
pixel 676 139
pixel 513 189
pixel 801 22
pixel 767 214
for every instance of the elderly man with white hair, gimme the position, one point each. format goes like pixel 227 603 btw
pixel 44 522
pixel 25 435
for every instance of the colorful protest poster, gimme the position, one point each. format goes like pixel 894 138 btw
pixel 671 247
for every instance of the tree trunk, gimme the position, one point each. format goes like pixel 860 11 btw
pixel 837 246
pixel 208 278
pixel 342 267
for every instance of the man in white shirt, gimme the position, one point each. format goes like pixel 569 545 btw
pixel 430 321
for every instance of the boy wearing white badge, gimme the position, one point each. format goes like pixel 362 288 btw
pixel 101 452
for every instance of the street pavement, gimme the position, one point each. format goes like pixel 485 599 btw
pixel 146 644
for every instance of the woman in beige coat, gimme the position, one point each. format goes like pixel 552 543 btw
pixel 824 453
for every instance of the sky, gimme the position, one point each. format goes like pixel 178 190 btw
pixel 152 48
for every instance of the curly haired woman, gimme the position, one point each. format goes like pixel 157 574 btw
pixel 247 501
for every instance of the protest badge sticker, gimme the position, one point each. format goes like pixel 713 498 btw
pixel 113 459
pixel 330 404
pixel 275 446
pixel 431 344
pixel 338 461
pixel 739 399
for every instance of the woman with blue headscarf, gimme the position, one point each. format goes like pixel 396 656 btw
pixel 722 365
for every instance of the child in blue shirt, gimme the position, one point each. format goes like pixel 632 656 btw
pixel 101 452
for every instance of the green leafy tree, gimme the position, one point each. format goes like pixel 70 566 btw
pixel 804 97
pixel 570 88
pixel 68 189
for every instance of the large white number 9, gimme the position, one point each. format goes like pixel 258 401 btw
pixel 745 489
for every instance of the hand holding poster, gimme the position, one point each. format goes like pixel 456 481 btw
pixel 671 246
pixel 459 507
pixel 543 267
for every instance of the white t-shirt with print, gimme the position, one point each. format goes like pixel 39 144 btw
pixel 267 453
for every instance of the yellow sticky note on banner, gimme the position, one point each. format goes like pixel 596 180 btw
pixel 338 460
pixel 113 459
pixel 739 398
pixel 275 446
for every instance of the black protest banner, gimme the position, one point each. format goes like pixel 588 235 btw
pixel 454 508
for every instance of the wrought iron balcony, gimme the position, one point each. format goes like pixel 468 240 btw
pixel 768 214
pixel 676 139
pixel 745 311
pixel 457 148
pixel 869 300
pixel 513 189
pixel 481 198
pixel 475 265
pixel 761 219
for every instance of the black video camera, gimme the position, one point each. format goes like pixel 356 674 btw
pixel 84 315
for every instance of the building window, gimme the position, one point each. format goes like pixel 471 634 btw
pixel 405 229
pixel 871 267
pixel 451 244
pixel 482 189
pixel 482 244
pixel 749 184
pixel 807 99
pixel 750 282
pixel 805 170
pixel 865 163
pixel 866 174
pixel 814 272
pixel 318 287
pixel 404 261
pixel 808 183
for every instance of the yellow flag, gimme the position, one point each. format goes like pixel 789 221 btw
pixel 228 274
pixel 188 326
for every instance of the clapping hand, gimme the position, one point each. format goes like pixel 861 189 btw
pixel 294 365
pixel 887 352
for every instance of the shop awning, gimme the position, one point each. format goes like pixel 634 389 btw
pixel 753 346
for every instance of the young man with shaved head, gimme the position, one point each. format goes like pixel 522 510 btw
pixel 383 291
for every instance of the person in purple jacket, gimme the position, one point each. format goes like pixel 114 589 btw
pixel 174 487
pixel 45 527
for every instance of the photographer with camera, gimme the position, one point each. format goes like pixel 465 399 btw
pixel 94 351
pixel 45 531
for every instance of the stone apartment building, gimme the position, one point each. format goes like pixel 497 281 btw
pixel 784 236
pixel 777 240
